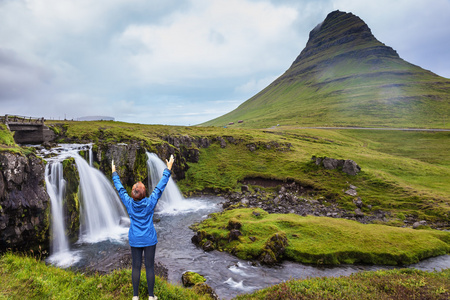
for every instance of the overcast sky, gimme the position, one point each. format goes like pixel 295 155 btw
pixel 181 62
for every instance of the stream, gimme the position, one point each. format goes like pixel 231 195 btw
pixel 226 274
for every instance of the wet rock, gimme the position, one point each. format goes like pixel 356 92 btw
pixel 208 246
pixel 204 289
pixel 24 203
pixel 191 278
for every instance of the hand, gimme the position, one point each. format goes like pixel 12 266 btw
pixel 113 167
pixel 170 162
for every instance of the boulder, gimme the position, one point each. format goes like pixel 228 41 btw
pixel 191 278
pixel 204 289
pixel 350 167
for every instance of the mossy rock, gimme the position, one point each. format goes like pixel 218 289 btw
pixel 191 278
pixel 204 289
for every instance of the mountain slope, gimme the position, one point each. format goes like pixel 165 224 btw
pixel 346 77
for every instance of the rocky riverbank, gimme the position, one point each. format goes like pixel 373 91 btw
pixel 295 199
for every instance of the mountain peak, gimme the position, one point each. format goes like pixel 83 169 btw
pixel 338 34
pixel 346 77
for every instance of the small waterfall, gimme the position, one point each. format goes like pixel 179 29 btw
pixel 171 201
pixel 91 156
pixel 55 189
pixel 101 209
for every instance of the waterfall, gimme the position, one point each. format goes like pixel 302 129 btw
pixel 101 210
pixel 171 201
pixel 55 189
pixel 91 156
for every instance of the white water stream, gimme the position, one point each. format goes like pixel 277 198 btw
pixel 171 202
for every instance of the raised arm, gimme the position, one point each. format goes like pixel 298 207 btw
pixel 123 195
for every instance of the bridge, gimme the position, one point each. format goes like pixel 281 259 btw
pixel 28 130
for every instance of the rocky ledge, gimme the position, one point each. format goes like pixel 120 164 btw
pixel 296 199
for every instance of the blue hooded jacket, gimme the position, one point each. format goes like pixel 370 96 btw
pixel 142 233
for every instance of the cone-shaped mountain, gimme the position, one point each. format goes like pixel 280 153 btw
pixel 346 77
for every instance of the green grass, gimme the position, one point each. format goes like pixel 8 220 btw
pixel 7 142
pixel 402 172
pixel 402 284
pixel 24 277
pixel 322 240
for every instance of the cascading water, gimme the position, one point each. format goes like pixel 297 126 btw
pixel 101 210
pixel 171 201
pixel 55 189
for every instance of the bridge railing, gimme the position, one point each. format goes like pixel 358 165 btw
pixel 7 119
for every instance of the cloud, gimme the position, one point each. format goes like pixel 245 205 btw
pixel 212 39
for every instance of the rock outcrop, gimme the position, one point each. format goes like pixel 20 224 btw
pixel 347 166
pixel 24 203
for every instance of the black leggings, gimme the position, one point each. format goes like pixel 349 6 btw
pixel 149 256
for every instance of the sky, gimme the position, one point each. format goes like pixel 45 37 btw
pixel 181 62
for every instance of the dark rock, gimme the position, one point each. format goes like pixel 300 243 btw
pixel 358 202
pixel 204 289
pixel 234 224
pixel 208 246
pixel 24 203
pixel 274 249
pixel 359 213
pixel 234 235
pixel 331 163
pixel 244 188
pixel 348 166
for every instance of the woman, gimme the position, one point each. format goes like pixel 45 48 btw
pixel 142 234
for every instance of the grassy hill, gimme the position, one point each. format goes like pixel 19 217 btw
pixel 346 77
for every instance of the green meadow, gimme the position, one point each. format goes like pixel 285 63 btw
pixel 321 240
pixel 25 277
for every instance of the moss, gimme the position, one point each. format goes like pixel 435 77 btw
pixel 192 278
pixel 320 240
pixel 140 165
pixel 71 199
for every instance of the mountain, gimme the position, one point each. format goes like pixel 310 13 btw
pixel 346 77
